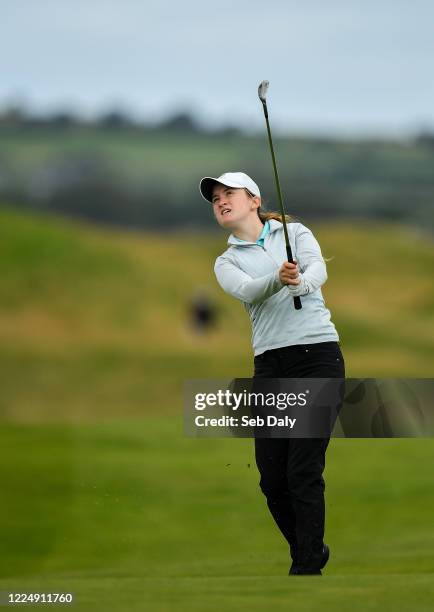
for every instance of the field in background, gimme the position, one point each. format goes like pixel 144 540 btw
pixel 149 178
pixel 102 493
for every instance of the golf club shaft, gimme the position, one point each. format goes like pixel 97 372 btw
pixel 297 300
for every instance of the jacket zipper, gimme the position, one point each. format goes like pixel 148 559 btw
pixel 272 258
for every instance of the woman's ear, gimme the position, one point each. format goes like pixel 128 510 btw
pixel 257 201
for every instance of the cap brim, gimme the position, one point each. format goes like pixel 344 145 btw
pixel 206 186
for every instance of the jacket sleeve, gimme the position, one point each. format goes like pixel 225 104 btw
pixel 313 272
pixel 242 286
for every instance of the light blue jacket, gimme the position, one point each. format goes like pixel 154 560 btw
pixel 250 273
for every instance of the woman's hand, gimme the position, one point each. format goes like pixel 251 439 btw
pixel 289 273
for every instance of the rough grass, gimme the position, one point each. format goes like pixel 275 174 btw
pixel 96 319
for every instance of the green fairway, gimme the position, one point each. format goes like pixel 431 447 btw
pixel 133 513
pixel 103 495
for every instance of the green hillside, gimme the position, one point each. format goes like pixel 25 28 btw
pixel 97 319
pixel 104 496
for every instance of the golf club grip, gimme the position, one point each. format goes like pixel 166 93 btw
pixel 297 301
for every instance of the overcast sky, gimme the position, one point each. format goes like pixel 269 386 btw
pixel 347 66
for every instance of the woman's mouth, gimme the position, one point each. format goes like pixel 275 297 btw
pixel 225 211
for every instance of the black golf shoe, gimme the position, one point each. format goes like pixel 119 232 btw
pixel 325 555
pixel 299 571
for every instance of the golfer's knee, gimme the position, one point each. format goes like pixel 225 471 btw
pixel 302 484
pixel 273 489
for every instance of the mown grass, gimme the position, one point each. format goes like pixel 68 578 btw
pixel 132 513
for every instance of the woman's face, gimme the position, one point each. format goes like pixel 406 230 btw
pixel 232 205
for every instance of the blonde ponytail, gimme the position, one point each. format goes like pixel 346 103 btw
pixel 267 215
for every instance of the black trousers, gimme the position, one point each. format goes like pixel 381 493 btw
pixel 291 469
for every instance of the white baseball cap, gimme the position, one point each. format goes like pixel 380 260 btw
pixel 239 180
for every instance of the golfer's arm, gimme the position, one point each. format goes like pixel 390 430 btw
pixel 313 271
pixel 243 287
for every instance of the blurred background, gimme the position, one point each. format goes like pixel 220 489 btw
pixel 110 113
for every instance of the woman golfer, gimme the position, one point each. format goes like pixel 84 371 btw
pixel 287 343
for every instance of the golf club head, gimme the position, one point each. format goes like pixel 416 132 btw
pixel 262 90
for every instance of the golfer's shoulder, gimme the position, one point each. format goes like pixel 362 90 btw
pixel 296 226
pixel 298 229
pixel 227 257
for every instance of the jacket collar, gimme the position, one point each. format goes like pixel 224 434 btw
pixel 274 225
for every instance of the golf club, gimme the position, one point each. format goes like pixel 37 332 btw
pixel 262 92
